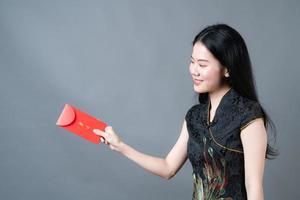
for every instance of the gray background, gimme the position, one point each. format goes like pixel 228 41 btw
pixel 126 62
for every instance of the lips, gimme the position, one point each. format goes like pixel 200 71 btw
pixel 197 81
pixel 194 79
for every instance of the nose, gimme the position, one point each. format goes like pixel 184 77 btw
pixel 194 70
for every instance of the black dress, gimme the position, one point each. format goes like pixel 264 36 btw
pixel 215 148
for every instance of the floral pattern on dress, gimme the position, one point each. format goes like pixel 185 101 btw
pixel 214 171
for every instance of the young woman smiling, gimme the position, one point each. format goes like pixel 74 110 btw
pixel 224 135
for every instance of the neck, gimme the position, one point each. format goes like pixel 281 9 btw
pixel 216 96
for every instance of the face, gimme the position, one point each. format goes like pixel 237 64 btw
pixel 205 69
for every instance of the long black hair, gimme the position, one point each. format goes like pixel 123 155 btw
pixel 230 49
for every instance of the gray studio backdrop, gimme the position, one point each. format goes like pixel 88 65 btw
pixel 126 62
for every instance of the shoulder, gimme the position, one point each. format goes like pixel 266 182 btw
pixel 191 110
pixel 194 110
pixel 247 105
pixel 249 110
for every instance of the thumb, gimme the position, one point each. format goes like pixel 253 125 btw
pixel 108 129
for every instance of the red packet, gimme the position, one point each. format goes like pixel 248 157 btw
pixel 80 123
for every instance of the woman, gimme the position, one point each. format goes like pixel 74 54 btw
pixel 224 135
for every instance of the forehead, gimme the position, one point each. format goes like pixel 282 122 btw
pixel 201 52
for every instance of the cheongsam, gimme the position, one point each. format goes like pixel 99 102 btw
pixel 215 148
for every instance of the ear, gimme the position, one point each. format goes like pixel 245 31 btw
pixel 226 72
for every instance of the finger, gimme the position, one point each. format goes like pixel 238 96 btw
pixel 102 140
pixel 99 132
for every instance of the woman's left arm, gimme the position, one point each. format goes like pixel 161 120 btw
pixel 254 140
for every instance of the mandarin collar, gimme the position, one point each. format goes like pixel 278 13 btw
pixel 220 108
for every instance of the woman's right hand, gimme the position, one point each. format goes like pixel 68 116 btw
pixel 111 138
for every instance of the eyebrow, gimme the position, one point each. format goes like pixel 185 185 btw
pixel 200 59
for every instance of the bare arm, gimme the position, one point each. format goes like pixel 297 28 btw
pixel 254 139
pixel 163 167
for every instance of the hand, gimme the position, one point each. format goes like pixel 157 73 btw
pixel 110 138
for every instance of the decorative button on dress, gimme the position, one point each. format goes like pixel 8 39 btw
pixel 215 148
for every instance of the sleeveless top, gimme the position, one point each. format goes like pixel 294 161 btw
pixel 215 149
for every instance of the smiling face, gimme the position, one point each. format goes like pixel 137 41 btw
pixel 206 71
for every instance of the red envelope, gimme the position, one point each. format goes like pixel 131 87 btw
pixel 80 123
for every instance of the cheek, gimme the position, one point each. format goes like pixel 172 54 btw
pixel 211 76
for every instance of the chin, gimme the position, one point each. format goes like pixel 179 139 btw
pixel 199 89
